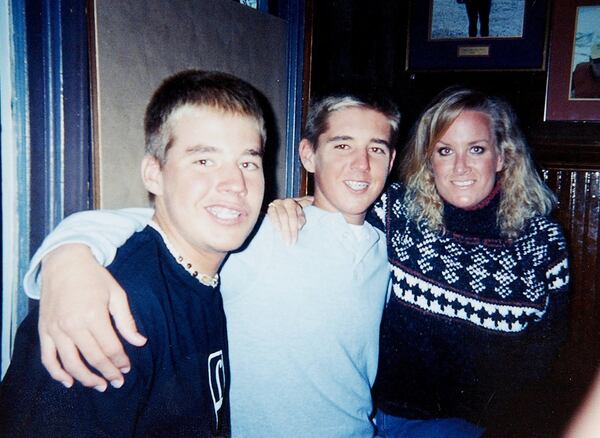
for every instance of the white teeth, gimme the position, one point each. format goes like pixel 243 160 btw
pixel 463 183
pixel 357 185
pixel 223 213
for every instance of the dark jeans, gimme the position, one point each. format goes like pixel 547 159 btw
pixel 479 9
pixel 389 426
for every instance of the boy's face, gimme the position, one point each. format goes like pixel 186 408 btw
pixel 210 189
pixel 351 163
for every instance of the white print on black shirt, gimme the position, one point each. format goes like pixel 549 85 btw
pixel 216 380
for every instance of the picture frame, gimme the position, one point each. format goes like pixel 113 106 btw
pixel 573 24
pixel 438 36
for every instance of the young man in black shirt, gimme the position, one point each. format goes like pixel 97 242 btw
pixel 203 169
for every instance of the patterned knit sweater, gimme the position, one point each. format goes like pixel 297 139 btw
pixel 472 317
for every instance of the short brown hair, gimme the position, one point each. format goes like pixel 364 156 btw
pixel 197 88
pixel 320 110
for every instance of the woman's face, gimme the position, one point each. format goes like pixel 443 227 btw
pixel 465 160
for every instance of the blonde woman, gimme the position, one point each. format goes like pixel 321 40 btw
pixel 479 272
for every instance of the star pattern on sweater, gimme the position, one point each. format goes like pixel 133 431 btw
pixel 432 298
pixel 497 286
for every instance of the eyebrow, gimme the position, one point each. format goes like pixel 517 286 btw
pixel 348 137
pixel 254 152
pixel 203 149
pixel 483 140
pixel 200 148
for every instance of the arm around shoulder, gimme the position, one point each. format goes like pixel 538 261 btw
pixel 79 296
pixel 103 231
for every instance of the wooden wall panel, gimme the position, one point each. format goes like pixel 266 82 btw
pixel 578 211
pixel 577 187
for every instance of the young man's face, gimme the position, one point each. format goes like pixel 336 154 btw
pixel 351 162
pixel 210 189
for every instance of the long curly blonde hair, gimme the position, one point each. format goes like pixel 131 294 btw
pixel 523 194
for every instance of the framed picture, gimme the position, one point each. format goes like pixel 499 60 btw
pixel 573 90
pixel 477 35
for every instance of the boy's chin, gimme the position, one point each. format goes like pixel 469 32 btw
pixel 230 245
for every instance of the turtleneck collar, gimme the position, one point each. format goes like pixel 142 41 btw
pixel 478 221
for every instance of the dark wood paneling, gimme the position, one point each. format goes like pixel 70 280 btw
pixel 544 409
pixel 578 191
pixel 564 154
pixel 572 170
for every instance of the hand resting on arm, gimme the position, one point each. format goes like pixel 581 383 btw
pixel 77 296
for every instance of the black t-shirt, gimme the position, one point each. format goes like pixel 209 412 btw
pixel 178 384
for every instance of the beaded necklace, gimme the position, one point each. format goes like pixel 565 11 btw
pixel 205 279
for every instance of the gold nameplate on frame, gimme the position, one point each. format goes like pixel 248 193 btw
pixel 464 51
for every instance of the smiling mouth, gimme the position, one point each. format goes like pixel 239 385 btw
pixel 356 185
pixel 223 213
pixel 465 183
